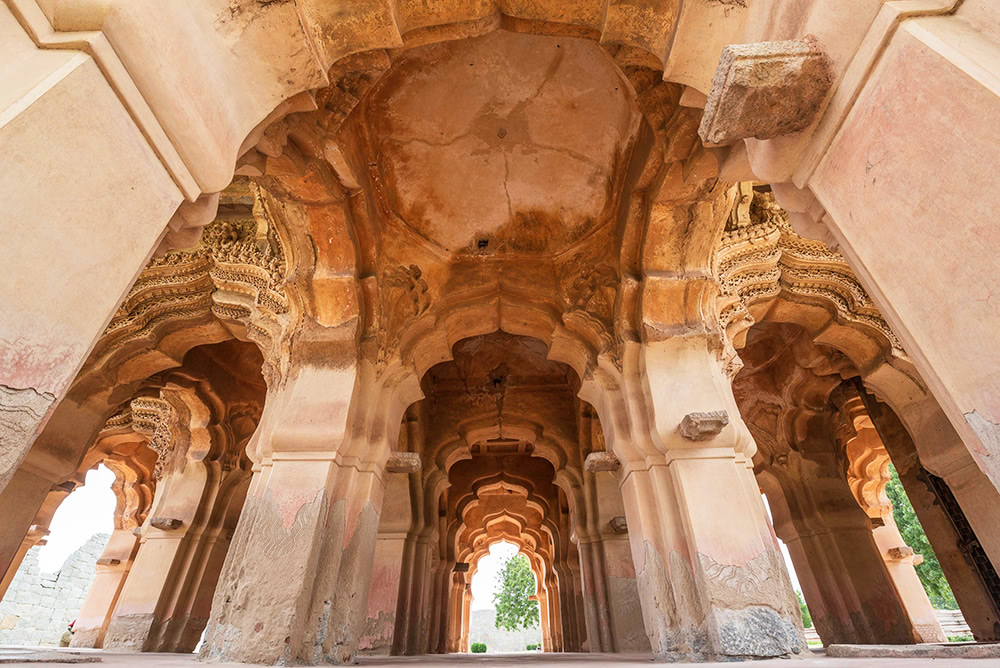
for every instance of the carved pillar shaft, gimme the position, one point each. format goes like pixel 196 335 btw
pixel 980 606
pixel 466 596
pixel 597 598
pixel 165 602
pixel 113 568
pixel 20 504
pixel 394 557
pixel 544 621
pixel 595 631
pixel 442 608
pixel 319 521
pixel 851 596
pixel 710 579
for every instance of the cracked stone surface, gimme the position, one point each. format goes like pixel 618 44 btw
pixel 493 138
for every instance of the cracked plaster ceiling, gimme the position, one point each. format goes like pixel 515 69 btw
pixel 507 139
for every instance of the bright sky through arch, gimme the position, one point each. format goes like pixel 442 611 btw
pixel 88 510
pixel 486 581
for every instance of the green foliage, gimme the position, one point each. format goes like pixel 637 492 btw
pixel 960 638
pixel 806 617
pixel 532 648
pixel 514 610
pixel 930 573
pixel 478 648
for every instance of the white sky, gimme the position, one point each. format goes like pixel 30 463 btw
pixel 88 510
pixel 784 550
pixel 486 581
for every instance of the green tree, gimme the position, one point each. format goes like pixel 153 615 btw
pixel 929 572
pixel 514 609
pixel 806 617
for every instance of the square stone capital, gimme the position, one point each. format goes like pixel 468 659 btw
pixel 764 90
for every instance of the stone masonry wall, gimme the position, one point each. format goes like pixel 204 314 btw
pixel 38 606
pixel 482 628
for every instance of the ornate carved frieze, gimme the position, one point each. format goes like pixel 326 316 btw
pixel 152 416
pixel 404 296
pixel 760 257
pixel 236 273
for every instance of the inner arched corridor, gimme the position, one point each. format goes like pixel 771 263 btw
pixel 382 285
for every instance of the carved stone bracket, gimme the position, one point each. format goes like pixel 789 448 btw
pixel 905 553
pixel 166 523
pixel 618 524
pixel 703 426
pixel 764 90
pixel 462 567
pixel 403 462
pixel 152 416
pixel 601 461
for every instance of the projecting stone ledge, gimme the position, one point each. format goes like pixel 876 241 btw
pixel 403 462
pixel 618 524
pixel 949 651
pixel 703 426
pixel 166 523
pixel 764 90
pixel 601 461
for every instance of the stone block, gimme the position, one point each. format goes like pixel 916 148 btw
pixel 764 90
pixel 403 462
pixel 601 461
pixel 703 426
pixel 166 523
pixel 8 621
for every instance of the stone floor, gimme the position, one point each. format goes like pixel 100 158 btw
pixel 11 656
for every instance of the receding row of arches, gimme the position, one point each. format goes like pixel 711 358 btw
pixel 521 316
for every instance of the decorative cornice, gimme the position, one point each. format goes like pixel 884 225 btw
pixel 236 274
pixel 760 257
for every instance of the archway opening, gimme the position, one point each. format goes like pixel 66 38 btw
pixel 826 475
pixel 504 614
pixel 44 596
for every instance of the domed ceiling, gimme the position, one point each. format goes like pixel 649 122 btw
pixel 505 142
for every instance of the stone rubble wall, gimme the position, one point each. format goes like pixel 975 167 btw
pixel 953 623
pixel 482 628
pixel 38 606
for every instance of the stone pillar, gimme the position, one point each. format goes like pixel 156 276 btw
pixel 596 600
pixel 465 594
pixel 113 568
pixel 553 601
pixel 164 604
pixel 979 607
pixel 317 521
pixel 851 596
pixel 456 615
pixel 441 621
pixel 710 584
pixel 544 624
pixel 313 515
pixel 867 476
pixel 389 561
pixel 624 611
pixel 28 505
